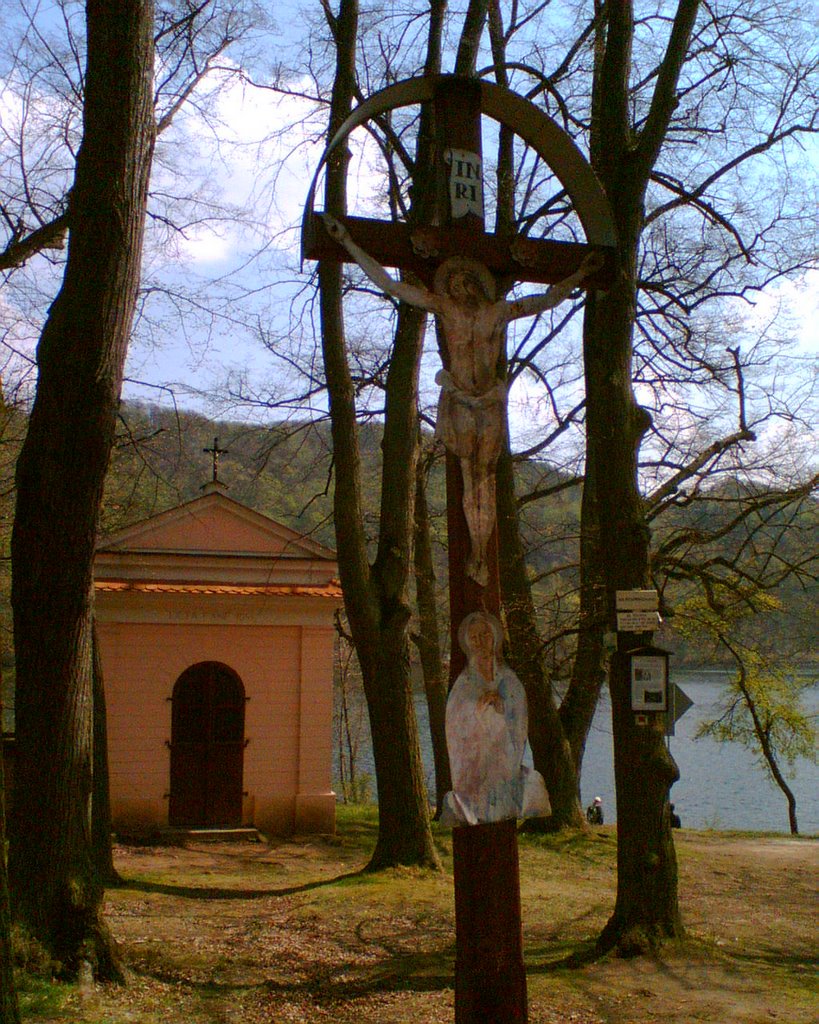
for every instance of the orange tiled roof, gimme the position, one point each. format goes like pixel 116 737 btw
pixel 330 590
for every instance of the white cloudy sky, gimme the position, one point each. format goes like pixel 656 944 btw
pixel 245 176
pixel 267 171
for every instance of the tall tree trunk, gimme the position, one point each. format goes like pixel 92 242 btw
pixel 376 596
pixel 404 829
pixel 375 599
pixel 60 474
pixel 101 797
pixel 589 669
pixel 9 1011
pixel 551 753
pixel 582 696
pixel 646 910
pixel 428 640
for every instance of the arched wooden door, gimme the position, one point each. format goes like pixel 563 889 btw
pixel 207 747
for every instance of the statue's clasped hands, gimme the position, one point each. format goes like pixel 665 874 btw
pixel 491 699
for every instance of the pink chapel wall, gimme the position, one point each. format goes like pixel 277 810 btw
pixel 288 718
pixel 268 619
pixel 218 531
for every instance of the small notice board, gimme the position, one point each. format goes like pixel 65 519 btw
pixel 637 611
pixel 649 679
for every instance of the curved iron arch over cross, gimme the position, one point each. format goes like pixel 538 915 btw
pixel 544 261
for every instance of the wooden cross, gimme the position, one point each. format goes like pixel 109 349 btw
pixel 215 451
pixel 490 982
pixel 459 229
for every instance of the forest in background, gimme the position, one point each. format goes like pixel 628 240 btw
pixel 285 470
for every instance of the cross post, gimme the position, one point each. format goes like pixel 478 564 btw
pixel 490 978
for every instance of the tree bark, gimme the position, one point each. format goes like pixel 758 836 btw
pixel 646 910
pixel 781 781
pixel 590 663
pixel 551 753
pixel 56 891
pixel 376 596
pixel 101 797
pixel 428 640
pixel 375 599
pixel 578 706
pixel 9 1010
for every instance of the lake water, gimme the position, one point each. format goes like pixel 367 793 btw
pixel 721 786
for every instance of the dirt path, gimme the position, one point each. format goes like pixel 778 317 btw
pixel 290 932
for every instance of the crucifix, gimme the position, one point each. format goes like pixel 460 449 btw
pixel 490 981
pixel 215 451
pixel 472 400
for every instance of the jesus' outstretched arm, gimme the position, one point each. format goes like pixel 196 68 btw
pixel 531 305
pixel 377 274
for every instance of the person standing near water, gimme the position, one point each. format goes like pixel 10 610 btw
pixel 594 812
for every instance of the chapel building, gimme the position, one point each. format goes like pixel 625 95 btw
pixel 215 627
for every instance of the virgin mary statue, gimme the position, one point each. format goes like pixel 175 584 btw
pixel 486 735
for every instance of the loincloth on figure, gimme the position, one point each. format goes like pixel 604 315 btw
pixel 466 422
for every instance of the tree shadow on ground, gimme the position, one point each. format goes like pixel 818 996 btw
pixel 802 960
pixel 425 971
pixel 195 892
pixel 566 958
pixel 561 948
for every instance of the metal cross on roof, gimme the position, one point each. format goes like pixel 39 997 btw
pixel 215 451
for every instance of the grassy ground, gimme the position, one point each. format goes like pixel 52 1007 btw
pixel 293 932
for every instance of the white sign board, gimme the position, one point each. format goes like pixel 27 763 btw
pixel 637 610
pixel 649 682
pixel 465 182
pixel 637 622
pixel 637 600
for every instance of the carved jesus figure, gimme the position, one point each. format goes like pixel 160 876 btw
pixel 472 400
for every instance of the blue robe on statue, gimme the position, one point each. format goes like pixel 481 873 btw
pixel 486 748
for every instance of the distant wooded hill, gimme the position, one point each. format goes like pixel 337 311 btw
pixel 285 471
